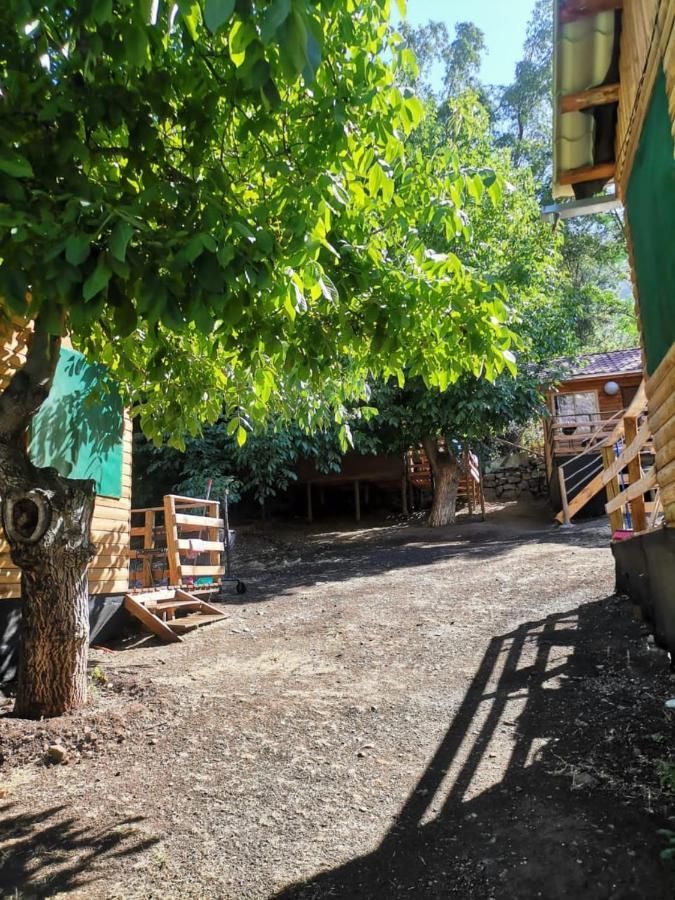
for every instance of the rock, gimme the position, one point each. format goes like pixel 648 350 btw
pixel 90 737
pixel 584 781
pixel 57 753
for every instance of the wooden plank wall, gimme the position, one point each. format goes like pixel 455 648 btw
pixel 109 571
pixel 638 66
pixel 661 406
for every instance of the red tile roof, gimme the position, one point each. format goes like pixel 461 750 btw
pixel 614 362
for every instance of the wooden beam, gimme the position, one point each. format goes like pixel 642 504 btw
pixel 151 622
pixel 571 10
pixel 587 173
pixel 172 552
pixel 597 96
pixel 612 488
pixel 646 483
pixel 201 521
pixel 637 506
pixel 629 452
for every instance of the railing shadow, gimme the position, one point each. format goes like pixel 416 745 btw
pixel 473 830
pixel 46 853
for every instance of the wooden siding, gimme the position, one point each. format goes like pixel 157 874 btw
pixel 647 43
pixel 109 571
pixel 661 408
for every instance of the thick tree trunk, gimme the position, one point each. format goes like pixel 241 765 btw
pixel 54 591
pixel 444 505
pixel 47 522
pixel 445 470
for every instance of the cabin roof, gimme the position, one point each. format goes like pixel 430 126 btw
pixel 592 365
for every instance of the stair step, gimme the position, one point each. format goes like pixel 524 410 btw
pixel 179 604
pixel 187 623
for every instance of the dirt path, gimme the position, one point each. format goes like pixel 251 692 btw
pixel 391 713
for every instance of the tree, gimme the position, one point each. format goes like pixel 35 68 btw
pixel 466 414
pixel 220 203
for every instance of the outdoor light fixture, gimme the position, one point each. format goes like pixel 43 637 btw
pixel 611 388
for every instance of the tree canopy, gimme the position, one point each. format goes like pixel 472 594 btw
pixel 222 202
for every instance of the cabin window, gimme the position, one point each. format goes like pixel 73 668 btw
pixel 580 410
pixel 79 428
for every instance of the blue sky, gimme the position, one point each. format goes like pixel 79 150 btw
pixel 502 21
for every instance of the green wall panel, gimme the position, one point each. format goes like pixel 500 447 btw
pixel 79 430
pixel 650 205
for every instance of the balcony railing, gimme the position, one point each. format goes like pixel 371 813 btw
pixel 568 435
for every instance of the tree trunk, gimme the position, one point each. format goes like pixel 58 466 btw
pixel 47 522
pixel 54 593
pixel 445 470
pixel 444 505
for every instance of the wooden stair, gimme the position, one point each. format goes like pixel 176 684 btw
pixel 156 610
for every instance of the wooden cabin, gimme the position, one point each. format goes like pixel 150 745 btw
pixel 408 475
pixel 614 131
pixel 584 407
pixel 82 440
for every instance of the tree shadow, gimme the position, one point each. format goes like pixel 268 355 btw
pixel 49 852
pixel 556 815
pixel 341 555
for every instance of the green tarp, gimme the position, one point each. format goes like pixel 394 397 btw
pixel 650 205
pixel 78 430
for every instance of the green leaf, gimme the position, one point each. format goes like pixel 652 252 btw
pixel 241 436
pixel 77 249
pixel 274 17
pixel 101 11
pixel 191 15
pixel 97 281
pixel 15 165
pixel 241 35
pixel 136 45
pixel 217 13
pixel 119 239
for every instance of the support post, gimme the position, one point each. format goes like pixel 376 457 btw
pixel 148 544
pixel 357 500
pixel 404 496
pixel 171 528
pixel 480 490
pixel 612 489
pixel 563 497
pixel 637 506
pixel 310 517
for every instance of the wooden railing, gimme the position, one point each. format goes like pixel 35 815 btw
pixel 571 435
pixel 188 542
pixel 616 464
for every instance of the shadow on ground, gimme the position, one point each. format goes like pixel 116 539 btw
pixel 49 852
pixel 572 813
pixel 277 561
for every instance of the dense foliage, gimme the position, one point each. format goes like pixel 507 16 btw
pixel 220 200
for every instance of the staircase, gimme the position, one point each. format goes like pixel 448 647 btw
pixel 170 612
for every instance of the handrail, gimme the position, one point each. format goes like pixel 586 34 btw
pixel 595 447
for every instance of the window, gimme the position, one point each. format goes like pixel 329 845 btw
pixel 579 410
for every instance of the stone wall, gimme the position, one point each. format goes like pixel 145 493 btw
pixel 526 478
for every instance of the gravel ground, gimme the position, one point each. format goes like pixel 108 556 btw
pixel 390 712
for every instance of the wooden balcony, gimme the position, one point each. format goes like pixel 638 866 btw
pixel 569 435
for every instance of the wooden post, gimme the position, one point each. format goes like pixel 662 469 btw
pixel 612 489
pixel 148 544
pixel 310 517
pixel 480 490
pixel 213 509
pixel 171 529
pixel 470 483
pixel 357 501
pixel 637 506
pixel 563 496
pixel 404 496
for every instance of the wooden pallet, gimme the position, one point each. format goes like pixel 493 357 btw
pixel 156 610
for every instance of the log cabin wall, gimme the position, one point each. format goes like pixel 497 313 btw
pixel 647 64
pixel 109 571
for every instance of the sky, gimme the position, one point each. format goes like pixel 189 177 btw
pixel 502 21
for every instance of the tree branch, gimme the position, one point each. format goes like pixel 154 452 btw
pixel 431 450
